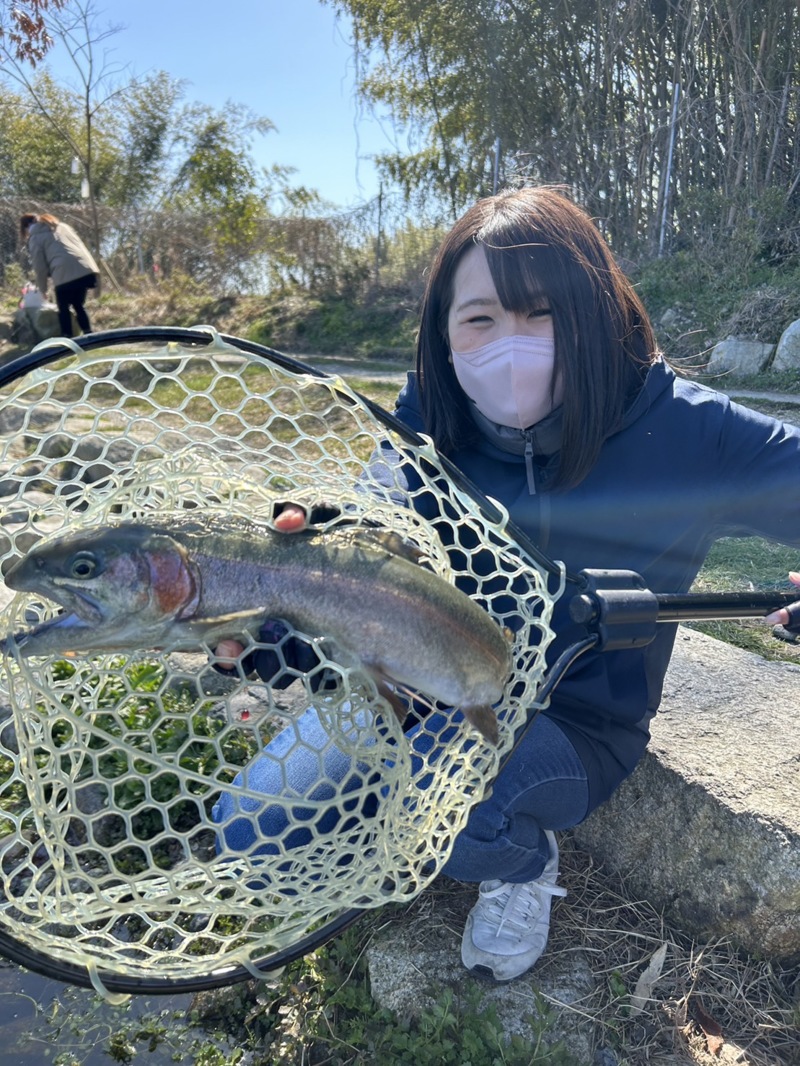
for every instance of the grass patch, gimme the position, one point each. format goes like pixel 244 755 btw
pixel 321 1010
pixel 787 381
pixel 740 564
pixel 382 392
pixel 743 563
pixel 379 327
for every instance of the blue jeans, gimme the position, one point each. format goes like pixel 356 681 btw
pixel 541 786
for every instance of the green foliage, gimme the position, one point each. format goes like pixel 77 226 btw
pixel 139 150
pixel 36 152
pixel 339 324
pixel 581 94
pixel 747 284
pixel 406 255
pixel 13 277
pixel 217 178
pixel 143 126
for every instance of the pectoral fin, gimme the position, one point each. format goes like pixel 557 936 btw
pixel 226 625
pixel 381 539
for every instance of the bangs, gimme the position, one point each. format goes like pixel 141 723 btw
pixel 523 275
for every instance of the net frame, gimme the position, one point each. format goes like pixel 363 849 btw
pixel 206 451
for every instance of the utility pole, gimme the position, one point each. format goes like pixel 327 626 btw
pixel 378 238
pixel 676 92
pixel 496 173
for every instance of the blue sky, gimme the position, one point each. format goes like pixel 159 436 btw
pixel 287 59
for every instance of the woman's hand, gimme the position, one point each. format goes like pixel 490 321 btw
pixel 292 519
pixel 788 616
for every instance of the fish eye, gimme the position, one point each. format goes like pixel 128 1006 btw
pixel 83 565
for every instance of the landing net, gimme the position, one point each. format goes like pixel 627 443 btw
pixel 114 768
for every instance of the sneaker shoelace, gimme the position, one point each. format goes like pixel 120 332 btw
pixel 517 905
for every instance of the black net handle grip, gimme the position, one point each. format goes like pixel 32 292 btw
pixel 617 606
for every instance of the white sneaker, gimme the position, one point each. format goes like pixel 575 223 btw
pixel 506 930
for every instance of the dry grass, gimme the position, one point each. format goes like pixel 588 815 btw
pixel 763 315
pixel 710 1005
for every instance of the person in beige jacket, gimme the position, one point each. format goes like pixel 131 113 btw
pixel 57 252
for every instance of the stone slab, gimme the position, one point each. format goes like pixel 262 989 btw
pixel 708 826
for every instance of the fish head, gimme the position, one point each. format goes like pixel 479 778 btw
pixel 119 587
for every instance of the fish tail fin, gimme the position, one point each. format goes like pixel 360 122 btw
pixel 484 720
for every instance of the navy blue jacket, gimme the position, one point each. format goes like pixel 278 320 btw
pixel 687 467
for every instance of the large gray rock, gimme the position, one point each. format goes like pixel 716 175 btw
pixel 738 356
pixel 32 325
pixel 708 826
pixel 787 355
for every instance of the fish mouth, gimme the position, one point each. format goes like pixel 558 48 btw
pixel 83 608
pixel 78 615
pixel 67 620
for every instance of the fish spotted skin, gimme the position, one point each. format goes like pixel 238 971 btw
pixel 175 579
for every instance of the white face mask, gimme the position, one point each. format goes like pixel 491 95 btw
pixel 509 380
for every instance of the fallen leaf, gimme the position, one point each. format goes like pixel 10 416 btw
pixel 711 1029
pixel 644 986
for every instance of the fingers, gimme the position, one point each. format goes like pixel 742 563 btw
pixel 787 615
pixel 291 519
pixel 228 652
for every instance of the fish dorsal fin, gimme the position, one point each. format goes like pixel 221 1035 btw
pixel 376 539
pixel 372 538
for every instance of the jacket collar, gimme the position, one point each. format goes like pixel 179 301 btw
pixel 544 437
pixel 660 377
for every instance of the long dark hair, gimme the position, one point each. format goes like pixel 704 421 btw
pixel 540 248
pixel 25 223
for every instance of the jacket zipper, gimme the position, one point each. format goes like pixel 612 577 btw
pixel 544 497
pixel 529 464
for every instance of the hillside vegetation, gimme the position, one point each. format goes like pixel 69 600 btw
pixel 693 300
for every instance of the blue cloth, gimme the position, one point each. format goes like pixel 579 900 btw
pixel 542 786
pixel 300 763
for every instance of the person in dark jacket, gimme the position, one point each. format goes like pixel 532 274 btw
pixel 57 252
pixel 539 376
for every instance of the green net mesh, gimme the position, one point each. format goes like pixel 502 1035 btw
pixel 112 765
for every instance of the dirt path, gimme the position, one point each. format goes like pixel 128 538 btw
pixel 772 397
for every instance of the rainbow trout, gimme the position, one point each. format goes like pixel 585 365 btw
pixel 146 584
